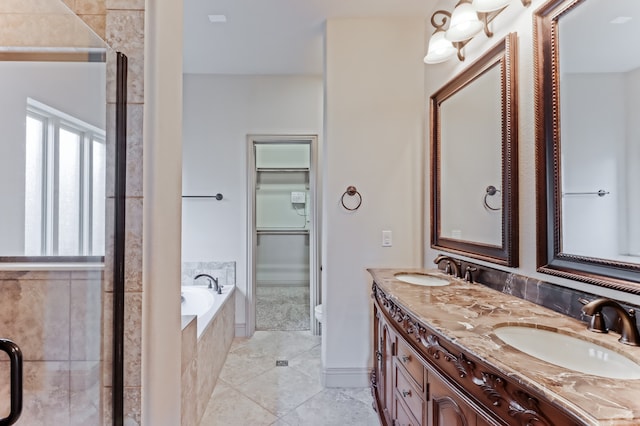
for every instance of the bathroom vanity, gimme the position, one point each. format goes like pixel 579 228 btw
pixel 438 360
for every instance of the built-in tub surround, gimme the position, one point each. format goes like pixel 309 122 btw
pixel 206 338
pixel 467 314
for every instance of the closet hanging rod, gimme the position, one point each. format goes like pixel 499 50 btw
pixel 276 169
pixel 283 232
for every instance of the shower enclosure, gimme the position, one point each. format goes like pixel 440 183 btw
pixel 63 121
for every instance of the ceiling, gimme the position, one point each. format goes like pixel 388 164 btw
pixel 590 42
pixel 273 36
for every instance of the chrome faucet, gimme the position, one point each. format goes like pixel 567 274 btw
pixel 451 267
pixel 628 329
pixel 213 282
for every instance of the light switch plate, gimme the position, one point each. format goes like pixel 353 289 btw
pixel 387 239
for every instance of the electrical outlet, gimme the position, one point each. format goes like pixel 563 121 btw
pixel 387 239
pixel 298 197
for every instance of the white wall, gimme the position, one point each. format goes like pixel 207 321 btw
pixel 595 123
pixel 374 140
pixel 519 19
pixel 219 113
pixel 633 159
pixel 77 89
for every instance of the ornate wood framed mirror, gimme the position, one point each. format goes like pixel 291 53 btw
pixel 474 179
pixel 587 141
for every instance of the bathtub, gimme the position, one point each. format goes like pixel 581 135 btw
pixel 203 302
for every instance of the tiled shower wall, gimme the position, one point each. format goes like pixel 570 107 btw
pixel 121 24
pixel 55 318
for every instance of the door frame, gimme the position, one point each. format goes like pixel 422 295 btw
pixel 314 228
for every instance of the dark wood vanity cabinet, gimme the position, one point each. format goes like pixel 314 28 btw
pixel 420 379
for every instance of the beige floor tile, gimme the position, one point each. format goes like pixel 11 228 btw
pixel 332 407
pixel 308 362
pixel 229 407
pixel 251 383
pixel 281 389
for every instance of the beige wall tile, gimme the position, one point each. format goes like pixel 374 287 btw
pixel 107 339
pixel 96 22
pixel 132 406
pixel 125 33
pixel 92 7
pixel 45 390
pixel 125 4
pixel 133 339
pixel 135 114
pixel 133 245
pixel 86 320
pixel 85 399
pixel 189 405
pixel 35 315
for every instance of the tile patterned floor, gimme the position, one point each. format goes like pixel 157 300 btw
pixel 253 391
pixel 283 308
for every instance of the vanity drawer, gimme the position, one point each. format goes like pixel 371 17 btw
pixel 410 361
pixel 407 392
pixel 403 418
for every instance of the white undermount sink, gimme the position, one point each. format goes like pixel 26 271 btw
pixel 422 279
pixel 569 352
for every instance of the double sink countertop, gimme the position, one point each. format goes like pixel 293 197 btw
pixel 467 314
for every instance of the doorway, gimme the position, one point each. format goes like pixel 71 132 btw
pixel 283 227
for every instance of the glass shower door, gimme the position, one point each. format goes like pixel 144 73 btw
pixel 58 199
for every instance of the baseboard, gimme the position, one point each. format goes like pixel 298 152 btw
pixel 346 377
pixel 241 330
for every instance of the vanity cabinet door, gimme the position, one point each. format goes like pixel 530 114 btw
pixel 384 350
pixel 445 407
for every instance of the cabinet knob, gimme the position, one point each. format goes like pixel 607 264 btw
pixel 406 393
pixel 405 358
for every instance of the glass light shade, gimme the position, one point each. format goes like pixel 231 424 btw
pixel 489 5
pixel 464 23
pixel 440 49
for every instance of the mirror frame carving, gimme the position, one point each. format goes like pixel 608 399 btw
pixel 550 258
pixel 504 55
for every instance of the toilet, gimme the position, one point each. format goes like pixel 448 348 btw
pixel 318 313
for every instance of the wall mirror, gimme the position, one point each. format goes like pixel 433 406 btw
pixel 474 175
pixel 588 141
pixel 53 158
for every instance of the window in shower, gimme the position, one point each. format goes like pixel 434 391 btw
pixel 64 184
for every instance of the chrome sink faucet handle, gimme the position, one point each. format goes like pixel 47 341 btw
pixel 452 267
pixel 629 334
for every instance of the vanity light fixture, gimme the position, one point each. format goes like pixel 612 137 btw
pixel 468 18
pixel 464 22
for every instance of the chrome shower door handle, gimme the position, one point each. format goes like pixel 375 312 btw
pixel 15 360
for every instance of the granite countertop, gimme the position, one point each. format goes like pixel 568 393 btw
pixel 466 314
